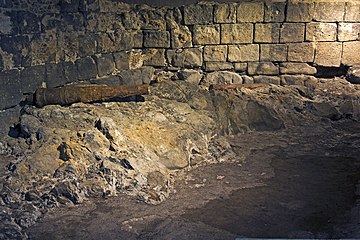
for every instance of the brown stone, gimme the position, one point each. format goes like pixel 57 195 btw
pixel 275 11
pixel 301 52
pixel 188 57
pixel 351 54
pixel 349 32
pixel 267 79
pixel 297 68
pixel 328 54
pixel 247 79
pixel 273 52
pixel 154 57
pixel 302 80
pixel 223 77
pixel 267 32
pixel 352 12
pixel 180 35
pixel 128 60
pixel 198 14
pixel 292 32
pixel 206 34
pixel 237 33
pixel 218 66
pixel 215 53
pixel 155 39
pixel 300 11
pixel 113 6
pixel 250 12
pixel 319 31
pixel 329 11
pixel 263 68
pixel 243 53
pixel 225 13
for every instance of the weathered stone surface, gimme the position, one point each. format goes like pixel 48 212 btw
pixel 250 12
pixel 68 46
pixel 353 74
pixel 301 52
pixel 240 67
pixel 206 34
pixel 352 12
pixel 180 34
pixel 152 19
pixel 71 73
pixel 69 5
pixel 87 68
pixel 218 66
pixel 14 51
pixel 10 91
pixel 28 22
pixel 131 20
pixel 9 23
pixel 105 64
pixel 188 57
pixel 44 48
pixel 54 75
pixel 328 54
pixel 350 55
pixel 247 79
pixel 302 80
pixel 292 32
pixel 267 32
pixel 273 52
pixel 215 53
pixel 236 33
pixel 191 76
pixel 87 44
pixel 128 60
pixel 267 79
pixel 329 11
pixel 192 16
pixel 136 76
pixel 297 68
pixel 223 77
pixel 32 78
pixel 154 57
pixel 113 6
pixel 243 53
pixel 300 11
pixel 349 32
pixel 275 11
pixel 318 31
pixel 263 68
pixel 225 13
pixel 155 39
pixel 72 22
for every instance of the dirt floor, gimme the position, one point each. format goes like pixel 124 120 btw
pixel 299 182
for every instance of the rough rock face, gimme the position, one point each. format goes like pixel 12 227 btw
pixel 63 155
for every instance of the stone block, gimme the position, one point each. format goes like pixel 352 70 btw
pixel 154 57
pixel 68 46
pixel 297 68
pixel 292 32
pixel 113 6
pixel 191 76
pixel 105 64
pixel 240 67
pixel 250 12
pixel 223 77
pixel 243 53
pixel 225 13
pixel 349 32
pixel 9 24
pixel 157 39
pixel 328 54
pixel 267 79
pixel 108 42
pixel 128 60
pixel 71 22
pixel 198 14
pixel 300 11
pixel 275 11
pixel 218 66
pixel 319 31
pixel 87 44
pixel 180 35
pixel 54 75
pixel 302 80
pixel 267 32
pixel 15 51
pixel 32 78
pixel 188 57
pixel 273 52
pixel 44 48
pixel 152 19
pixel 329 11
pixel 351 54
pixel 87 68
pixel 69 5
pixel 136 76
pixel 10 91
pixel 352 12
pixel 206 34
pixel 28 22
pixel 71 73
pixel 237 33
pixel 132 20
pixel 301 52
pixel 263 68
pixel 215 53
pixel 247 79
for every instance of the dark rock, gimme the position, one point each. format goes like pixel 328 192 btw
pixel 69 6
pixel 86 68
pixel 55 75
pixel 136 76
pixel 324 109
pixel 29 22
pixel 105 64
pixel 262 118
pixel 159 39
pixel 32 78
pixel 275 11
pixel 15 47
pixel 71 73
pixel 10 91
pixel 107 80
pixel 353 74
pixel 67 190
pixel 198 14
pixel 72 22
pixel 9 23
pixel 87 44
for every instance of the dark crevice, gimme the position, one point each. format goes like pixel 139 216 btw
pixel 331 72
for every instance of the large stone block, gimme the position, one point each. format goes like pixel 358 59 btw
pixel 218 66
pixel 292 32
pixel 351 54
pixel 300 11
pixel 32 78
pixel 10 91
pixel 267 32
pixel 328 54
pixel 87 44
pixel 87 68
pixel 136 76
pixel 225 13
pixel 215 53
pixel 297 68
pixel 68 46
pixel 54 75
pixel 302 80
pixel 206 34
pixel 349 32
pixel 223 77
pixel 250 12
pixel 243 53
pixel 180 35
pixel 28 22
pixel 71 22
pixel 352 12
pixel 128 59
pixel 154 39
pixel 198 14
pixel 154 57
pixel 44 48
pixel 319 31
pixel 152 19
pixel 15 51
pixel 329 11
pixel 132 20
pixel 240 67
pixel 275 11
pixel 267 79
pixel 188 57
pixel 301 52
pixel 71 72
pixel 105 64
pixel 237 33
pixel 273 52
pixel 264 68
pixel 9 23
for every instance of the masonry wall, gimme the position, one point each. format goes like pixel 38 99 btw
pixel 55 42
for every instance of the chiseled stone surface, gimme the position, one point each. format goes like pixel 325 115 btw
pixel 267 79
pixel 297 68
pixel 319 31
pixel 198 14
pixel 225 13
pixel 300 11
pixel 263 68
pixel 349 32
pixel 243 53
pixel 206 34
pixel 275 11
pixel 250 12
pixel 301 52
pixel 87 68
pixel 237 33
pixel 351 54
pixel 240 67
pixel 352 12
pixel 273 52
pixel 328 54
pixel 215 53
pixel 267 33
pixel 329 11
pixel 292 32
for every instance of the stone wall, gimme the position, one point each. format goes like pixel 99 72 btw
pixel 56 42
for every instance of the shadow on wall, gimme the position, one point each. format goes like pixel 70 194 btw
pixel 171 3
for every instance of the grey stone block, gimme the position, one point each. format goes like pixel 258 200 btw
pixel 32 78
pixel 87 68
pixel 275 11
pixel 265 68
pixel 10 91
pixel 216 53
pixel 350 55
pixel 154 57
pixel 301 52
pixel 198 14
pixel 71 72
pixel 243 53
pixel 136 76
pixel 15 51
pixel 160 39
pixel 55 75
pixel 105 64
pixel 292 32
pixel 300 11
pixel 9 23
pixel 237 33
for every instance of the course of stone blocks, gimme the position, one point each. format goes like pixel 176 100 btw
pixel 52 43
